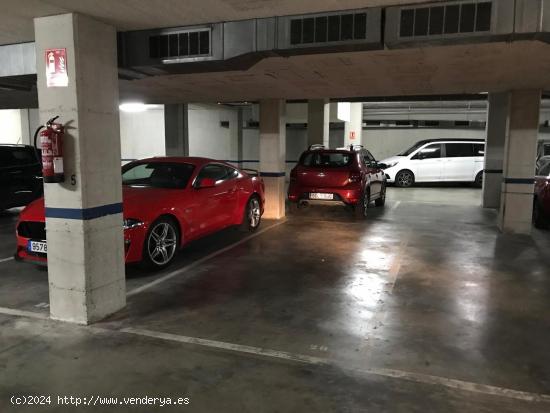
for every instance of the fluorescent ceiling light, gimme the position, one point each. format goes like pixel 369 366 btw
pixel 344 111
pixel 133 107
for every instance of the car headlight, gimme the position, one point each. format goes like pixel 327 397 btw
pixel 391 164
pixel 132 223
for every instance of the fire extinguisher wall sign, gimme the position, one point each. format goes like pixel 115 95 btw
pixel 56 68
pixel 51 139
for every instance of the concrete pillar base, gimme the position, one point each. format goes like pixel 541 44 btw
pixel 516 213
pixel 274 187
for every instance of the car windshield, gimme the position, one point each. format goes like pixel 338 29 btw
pixel 157 174
pixel 17 156
pixel 326 159
pixel 412 149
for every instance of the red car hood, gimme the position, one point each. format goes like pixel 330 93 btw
pixel 134 200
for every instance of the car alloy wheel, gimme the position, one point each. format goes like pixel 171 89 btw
pixel 252 215
pixel 362 206
pixel 162 243
pixel 380 202
pixel 405 179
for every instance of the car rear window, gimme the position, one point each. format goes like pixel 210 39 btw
pixel 14 156
pixel 326 159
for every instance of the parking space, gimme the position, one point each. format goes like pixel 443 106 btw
pixel 424 300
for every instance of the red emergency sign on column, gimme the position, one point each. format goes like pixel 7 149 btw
pixel 56 68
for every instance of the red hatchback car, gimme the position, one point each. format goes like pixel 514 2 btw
pixel 350 176
pixel 167 202
pixel 541 207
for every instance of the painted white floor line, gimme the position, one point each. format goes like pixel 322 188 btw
pixel 301 358
pixel 6 259
pixel 395 205
pixel 239 348
pixel 22 313
pixel 387 373
pixel 458 384
pixel 396 263
pixel 199 261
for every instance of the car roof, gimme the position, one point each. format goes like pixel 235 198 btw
pixel 194 160
pixel 481 140
pixel 14 145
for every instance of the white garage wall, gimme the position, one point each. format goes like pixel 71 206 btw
pixel 142 133
pixel 10 123
pixel 207 137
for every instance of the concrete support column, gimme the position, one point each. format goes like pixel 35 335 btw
pixel 26 134
pixel 520 147
pixel 497 129
pixel 353 128
pixel 272 155
pixel 84 213
pixel 176 130
pixel 318 122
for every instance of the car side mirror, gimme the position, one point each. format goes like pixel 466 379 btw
pixel 206 183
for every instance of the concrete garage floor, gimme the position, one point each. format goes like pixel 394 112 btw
pixel 423 307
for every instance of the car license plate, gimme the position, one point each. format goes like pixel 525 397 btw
pixel 37 246
pixel 315 195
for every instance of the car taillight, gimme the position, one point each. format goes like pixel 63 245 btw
pixel 354 177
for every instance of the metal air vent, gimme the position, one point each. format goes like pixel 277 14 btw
pixel 449 19
pixel 355 27
pixel 184 44
pixel 325 29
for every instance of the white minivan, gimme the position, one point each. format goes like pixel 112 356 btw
pixel 437 160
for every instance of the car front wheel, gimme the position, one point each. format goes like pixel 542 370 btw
pixel 161 243
pixel 381 201
pixel 404 179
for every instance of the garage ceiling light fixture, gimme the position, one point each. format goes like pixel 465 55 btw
pixel 133 107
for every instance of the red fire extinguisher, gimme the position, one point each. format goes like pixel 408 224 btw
pixel 51 139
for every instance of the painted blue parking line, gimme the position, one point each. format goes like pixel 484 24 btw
pixel 272 174
pixel 525 181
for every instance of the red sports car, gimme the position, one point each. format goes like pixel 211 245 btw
pixel 167 202
pixel 350 176
pixel 541 208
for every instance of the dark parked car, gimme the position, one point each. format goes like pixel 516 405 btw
pixel 350 176
pixel 20 176
pixel 541 206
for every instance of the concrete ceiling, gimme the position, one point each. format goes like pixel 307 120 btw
pixel 461 69
pixel 16 16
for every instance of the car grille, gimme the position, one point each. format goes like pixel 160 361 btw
pixel 34 230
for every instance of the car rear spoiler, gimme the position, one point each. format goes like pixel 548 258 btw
pixel 253 172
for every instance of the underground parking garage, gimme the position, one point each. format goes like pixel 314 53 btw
pixel 285 206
